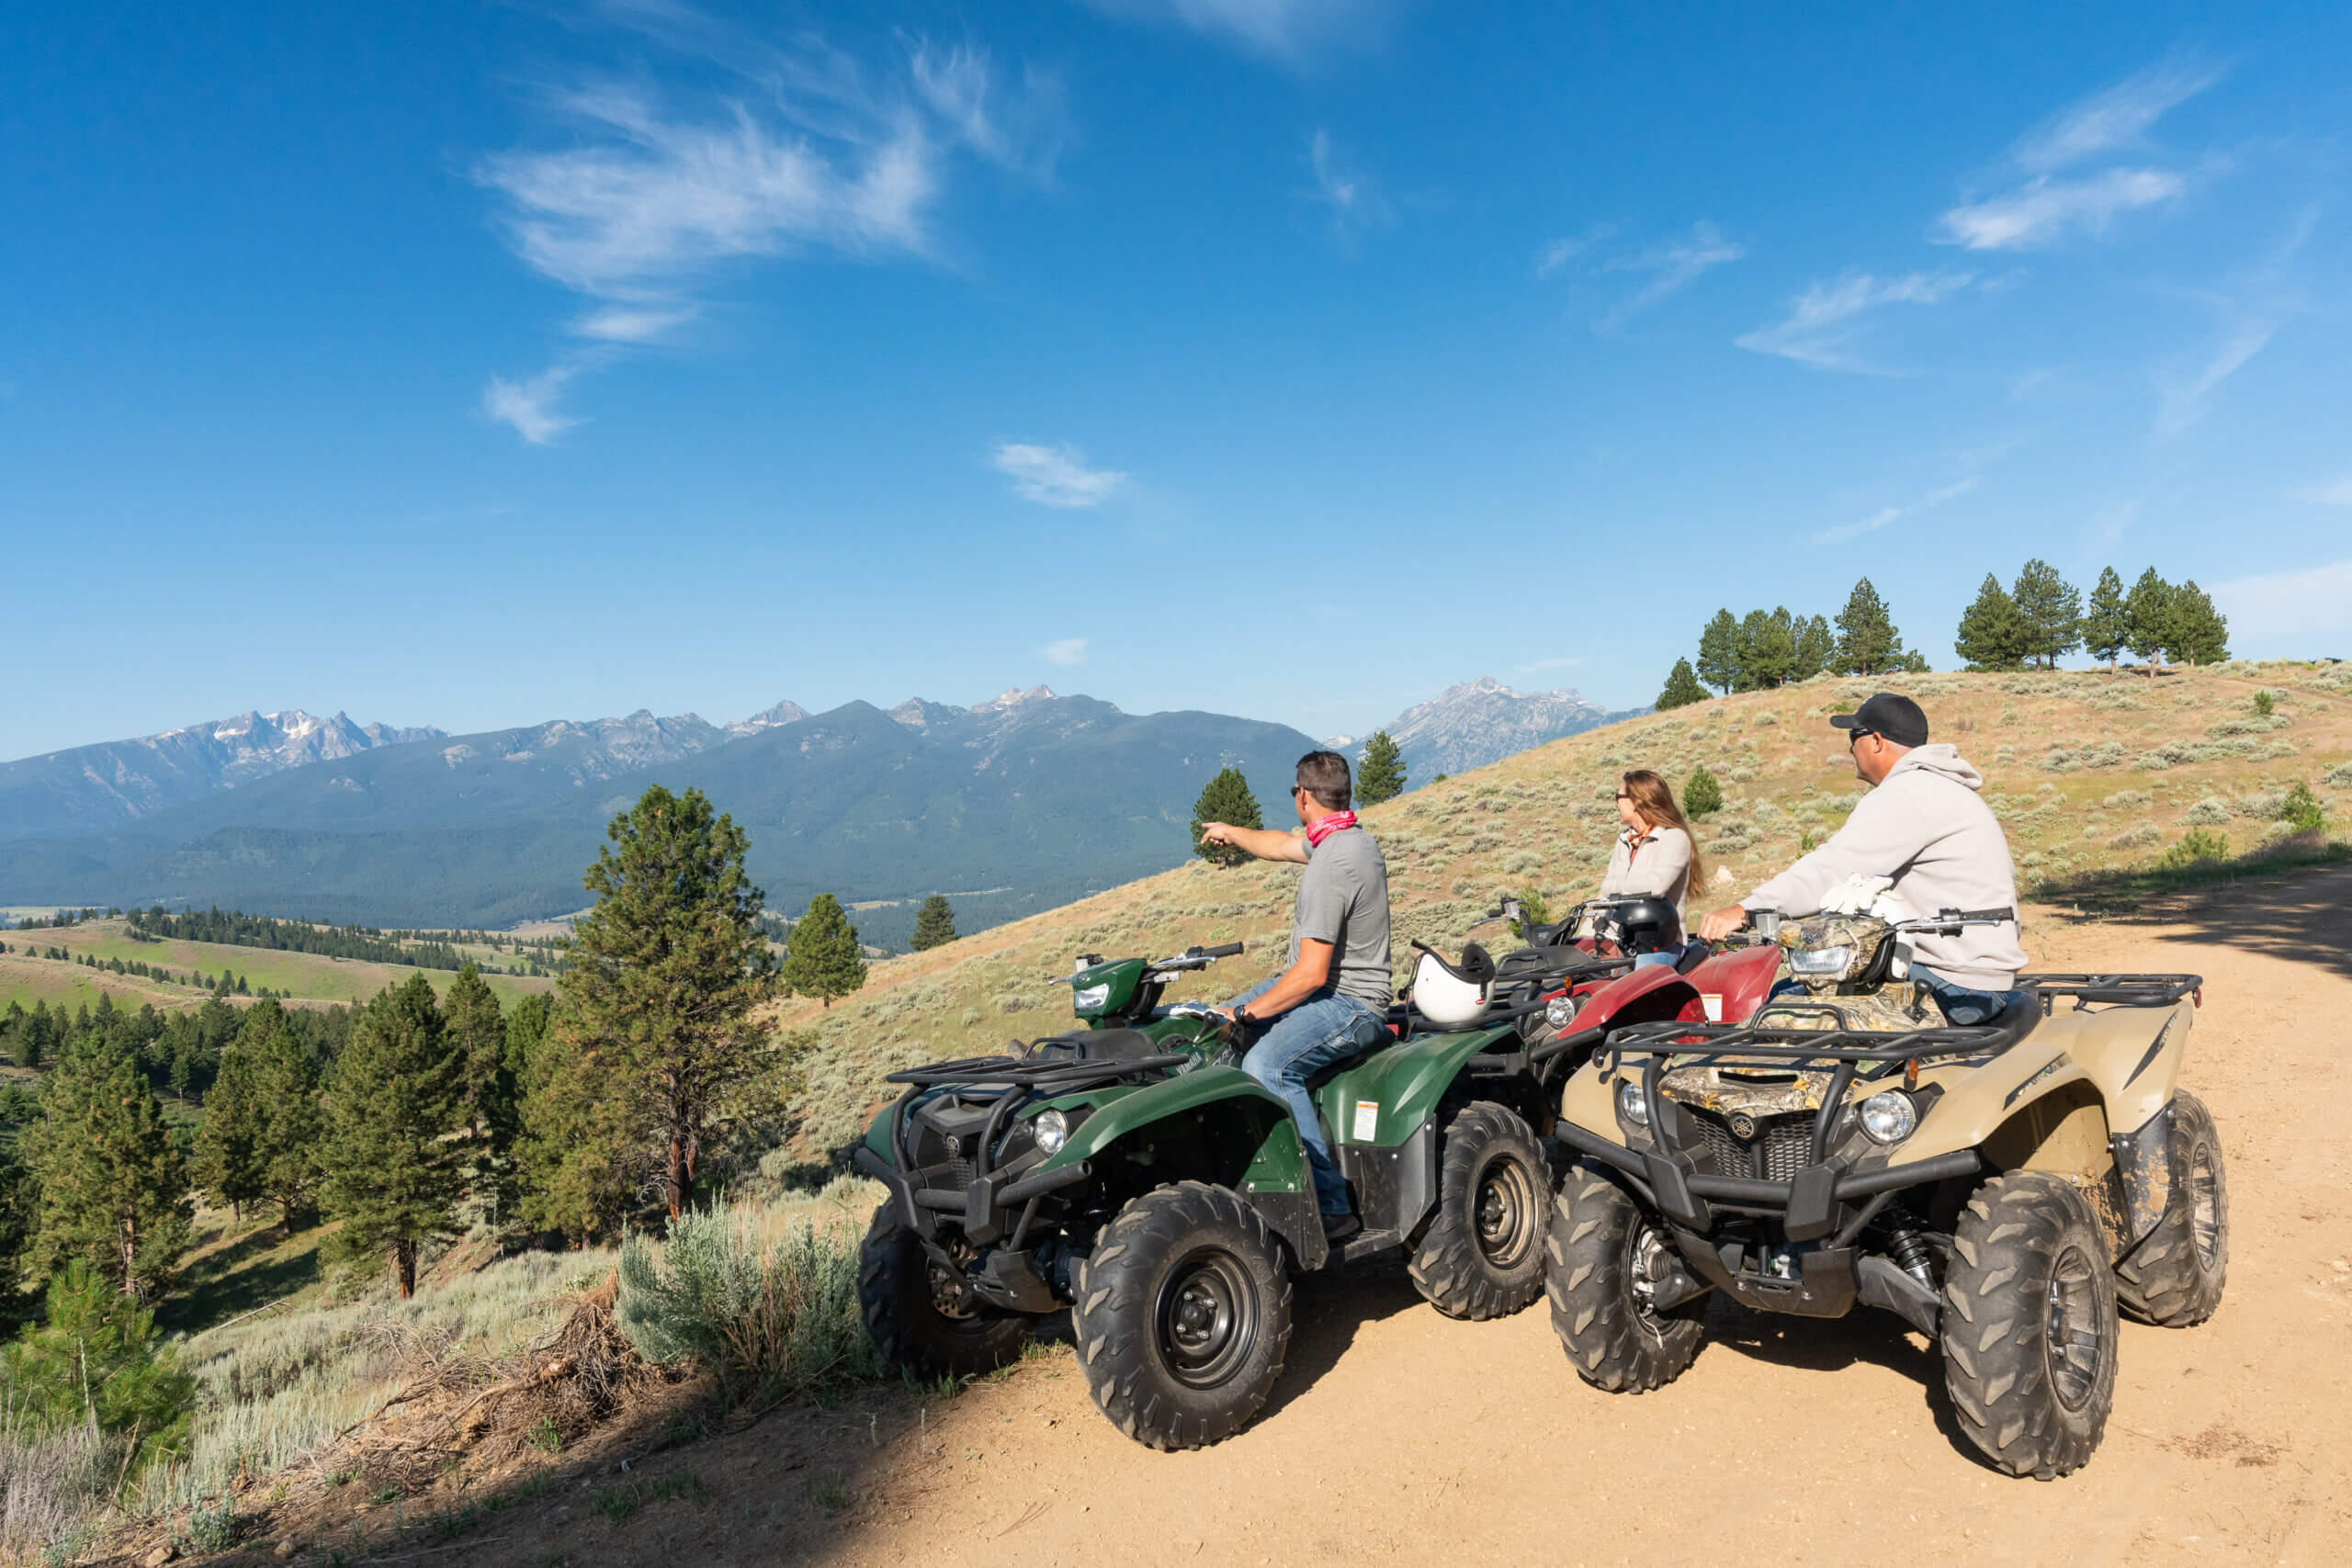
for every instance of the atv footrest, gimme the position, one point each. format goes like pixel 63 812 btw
pixel 1363 1244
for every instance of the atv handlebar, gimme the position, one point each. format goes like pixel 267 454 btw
pixel 1195 958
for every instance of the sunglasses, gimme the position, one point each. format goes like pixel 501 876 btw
pixel 1855 738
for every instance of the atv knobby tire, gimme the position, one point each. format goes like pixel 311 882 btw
pixel 1183 1315
pixel 2029 1326
pixel 895 1294
pixel 1482 1255
pixel 1594 1254
pixel 2173 1276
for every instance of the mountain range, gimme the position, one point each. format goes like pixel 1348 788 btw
pixel 1013 804
pixel 1476 722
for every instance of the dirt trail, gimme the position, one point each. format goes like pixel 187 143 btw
pixel 1399 1435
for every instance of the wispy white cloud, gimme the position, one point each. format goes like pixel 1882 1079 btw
pixel 1351 194
pixel 2043 209
pixel 1561 251
pixel 1290 31
pixel 1055 476
pixel 1538 666
pixel 528 405
pixel 2338 493
pixel 1887 515
pixel 2304 613
pixel 2252 306
pixel 2116 117
pixel 2110 524
pixel 1824 322
pixel 1068 652
pixel 1672 267
pixel 2048 206
pixel 652 195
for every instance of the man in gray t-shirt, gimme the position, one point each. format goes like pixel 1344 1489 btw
pixel 1332 1000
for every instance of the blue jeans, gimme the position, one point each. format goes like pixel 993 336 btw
pixel 1324 1029
pixel 1673 955
pixel 1960 1005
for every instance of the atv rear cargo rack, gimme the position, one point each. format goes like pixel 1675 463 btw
pixel 2130 990
pixel 1014 1072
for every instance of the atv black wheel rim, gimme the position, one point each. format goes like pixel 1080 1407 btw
pixel 2204 1208
pixel 2070 1336
pixel 1205 1320
pixel 1506 1214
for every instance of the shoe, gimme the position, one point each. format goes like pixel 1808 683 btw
pixel 1339 1227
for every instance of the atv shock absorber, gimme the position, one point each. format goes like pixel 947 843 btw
pixel 1909 1250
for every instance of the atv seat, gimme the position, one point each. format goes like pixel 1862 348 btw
pixel 1355 1058
pixel 2015 1022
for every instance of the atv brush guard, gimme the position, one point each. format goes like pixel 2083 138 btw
pixel 1666 1172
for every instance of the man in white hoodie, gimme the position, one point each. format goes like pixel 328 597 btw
pixel 1923 825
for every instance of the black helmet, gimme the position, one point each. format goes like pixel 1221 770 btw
pixel 1643 925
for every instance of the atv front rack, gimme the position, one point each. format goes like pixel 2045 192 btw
pixel 1812 1203
pixel 2129 990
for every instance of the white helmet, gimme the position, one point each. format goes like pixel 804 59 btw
pixel 1450 994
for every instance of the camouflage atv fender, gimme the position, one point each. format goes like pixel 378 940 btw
pixel 2083 1096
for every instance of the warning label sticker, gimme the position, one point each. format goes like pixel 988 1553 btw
pixel 1713 1003
pixel 1367 1119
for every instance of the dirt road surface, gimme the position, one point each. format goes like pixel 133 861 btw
pixel 1398 1435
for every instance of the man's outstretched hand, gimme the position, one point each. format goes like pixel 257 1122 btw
pixel 1218 833
pixel 1717 924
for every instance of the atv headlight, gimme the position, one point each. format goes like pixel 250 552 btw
pixel 1889 1118
pixel 1092 998
pixel 1820 961
pixel 1052 1130
pixel 1632 1104
pixel 1560 1012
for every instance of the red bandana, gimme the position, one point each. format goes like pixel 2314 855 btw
pixel 1338 821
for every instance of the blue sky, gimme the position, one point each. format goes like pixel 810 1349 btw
pixel 482 365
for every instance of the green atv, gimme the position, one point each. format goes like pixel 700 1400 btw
pixel 1132 1173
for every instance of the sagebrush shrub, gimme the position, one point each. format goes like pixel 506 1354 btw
pixel 2210 812
pixel 767 1319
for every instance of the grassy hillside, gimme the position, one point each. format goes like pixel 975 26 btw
pixel 2090 772
pixel 302 976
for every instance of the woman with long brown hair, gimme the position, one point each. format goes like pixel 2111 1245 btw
pixel 1656 854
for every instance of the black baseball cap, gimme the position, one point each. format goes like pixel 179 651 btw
pixel 1886 713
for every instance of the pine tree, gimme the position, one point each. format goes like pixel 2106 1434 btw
pixel 579 1168
pixel 470 1019
pixel 1719 653
pixel 1681 688
pixel 293 1124
pixel 96 1360
pixel 823 958
pixel 1381 775
pixel 2107 626
pixel 935 924
pixel 2200 633
pixel 1702 795
pixel 1226 799
pixel 114 1190
pixel 229 1148
pixel 2050 611
pixel 394 1174
pixel 1815 647
pixel 1992 634
pixel 1868 642
pixel 1767 650
pixel 665 972
pixel 2148 613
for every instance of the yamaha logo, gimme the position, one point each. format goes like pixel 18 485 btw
pixel 1743 1126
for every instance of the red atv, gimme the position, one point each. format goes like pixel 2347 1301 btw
pixel 1723 985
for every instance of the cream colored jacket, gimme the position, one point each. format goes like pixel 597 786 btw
pixel 1661 866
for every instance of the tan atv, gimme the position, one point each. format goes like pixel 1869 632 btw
pixel 2001 1186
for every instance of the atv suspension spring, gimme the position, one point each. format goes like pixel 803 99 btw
pixel 1909 1248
